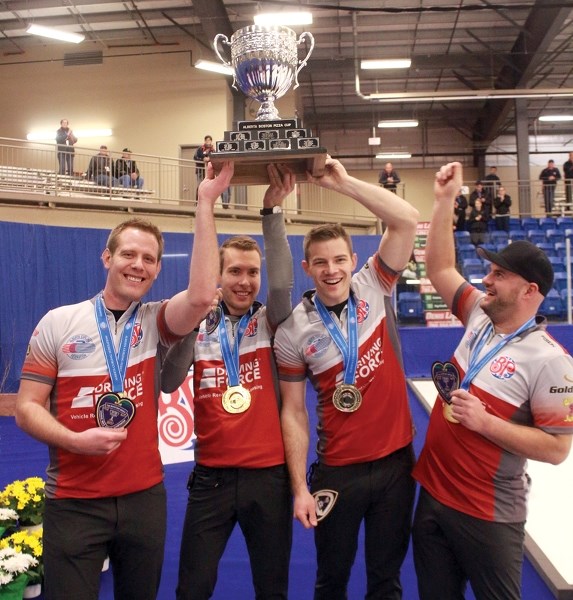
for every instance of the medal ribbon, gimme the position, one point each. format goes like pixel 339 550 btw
pixel 231 355
pixel 116 363
pixel 348 349
pixel 475 363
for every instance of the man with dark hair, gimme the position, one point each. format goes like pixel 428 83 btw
pixel 240 476
pixel 95 365
pixel 343 337
pixel 126 171
pixel 101 169
pixel 549 176
pixel 501 401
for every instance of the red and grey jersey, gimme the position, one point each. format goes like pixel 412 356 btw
pixel 251 439
pixel 303 347
pixel 528 382
pixel 66 353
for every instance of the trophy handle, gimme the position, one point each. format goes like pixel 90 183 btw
pixel 304 61
pixel 224 40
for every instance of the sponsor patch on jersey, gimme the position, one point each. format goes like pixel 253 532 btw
pixel 362 310
pixel 325 501
pixel 78 347
pixel 503 367
pixel 317 345
pixel 252 327
pixel 136 335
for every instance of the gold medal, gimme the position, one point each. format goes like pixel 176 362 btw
pixel 236 399
pixel 347 398
pixel 448 413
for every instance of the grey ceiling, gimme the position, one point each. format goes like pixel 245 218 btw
pixel 476 47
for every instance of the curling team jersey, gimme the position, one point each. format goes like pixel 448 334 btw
pixel 382 424
pixel 66 353
pixel 528 382
pixel 250 439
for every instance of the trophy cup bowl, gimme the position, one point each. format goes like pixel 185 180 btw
pixel 265 65
pixel 265 62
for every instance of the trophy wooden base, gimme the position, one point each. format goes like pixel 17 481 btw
pixel 251 167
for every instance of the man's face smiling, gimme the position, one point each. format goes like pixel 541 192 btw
pixel 132 268
pixel 330 265
pixel 240 279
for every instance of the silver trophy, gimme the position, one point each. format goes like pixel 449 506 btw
pixel 265 62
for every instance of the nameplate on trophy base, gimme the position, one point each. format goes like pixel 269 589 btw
pixel 255 144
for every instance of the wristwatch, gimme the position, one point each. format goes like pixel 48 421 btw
pixel 271 211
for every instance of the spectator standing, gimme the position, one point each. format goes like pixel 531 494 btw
pixel 389 178
pixel 202 158
pixel 101 169
pixel 478 221
pixel 481 193
pixel 65 139
pixel 568 176
pixel 460 207
pixel 503 402
pixel 343 337
pixel 492 182
pixel 89 377
pixel 240 475
pixel 502 205
pixel 549 176
pixel 126 171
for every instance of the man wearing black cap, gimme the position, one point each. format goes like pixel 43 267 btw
pixel 126 171
pixel 500 403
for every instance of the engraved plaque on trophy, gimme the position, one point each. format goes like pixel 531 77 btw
pixel 265 64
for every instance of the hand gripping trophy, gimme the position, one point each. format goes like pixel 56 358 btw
pixel 265 63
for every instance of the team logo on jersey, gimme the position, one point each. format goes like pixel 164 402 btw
pixel 252 327
pixel 325 501
pixel 568 404
pixel 316 345
pixel 78 347
pixel 503 367
pixel 136 335
pixel 362 310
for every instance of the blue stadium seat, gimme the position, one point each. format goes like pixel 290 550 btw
pixel 528 223
pixel 536 236
pixel 564 223
pixel 499 237
pixel 466 251
pixel 558 264
pixel 548 248
pixel 555 235
pixel 552 306
pixel 410 306
pixel 462 237
pixel 560 281
pixel 472 267
pixel 517 234
pixel 514 223
pixel 561 249
pixel 546 223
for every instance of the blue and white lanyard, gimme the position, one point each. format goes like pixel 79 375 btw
pixel 348 348
pixel 231 355
pixel 475 364
pixel 116 363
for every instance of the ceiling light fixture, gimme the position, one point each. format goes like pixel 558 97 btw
pixel 81 134
pixel 283 18
pixel 214 67
pixel 395 124
pixel 387 155
pixel 386 63
pixel 55 34
pixel 556 118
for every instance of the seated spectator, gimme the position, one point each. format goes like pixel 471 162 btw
pixel 100 169
pixel 479 217
pixel 126 171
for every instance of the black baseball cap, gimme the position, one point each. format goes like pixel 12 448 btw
pixel 525 259
pixel 126 150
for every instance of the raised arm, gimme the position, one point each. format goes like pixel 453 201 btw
pixel 440 246
pixel 188 308
pixel 278 256
pixel 399 217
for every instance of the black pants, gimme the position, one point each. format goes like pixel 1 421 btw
pixel 381 493
pixel 260 501
pixel 451 548
pixel 79 534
